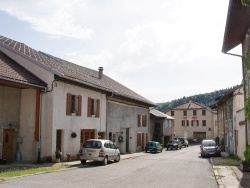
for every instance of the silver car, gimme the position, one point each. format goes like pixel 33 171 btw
pixel 99 150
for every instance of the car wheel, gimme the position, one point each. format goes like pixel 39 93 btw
pixel 105 161
pixel 83 161
pixel 167 148
pixel 180 147
pixel 117 158
pixel 146 151
pixel 171 148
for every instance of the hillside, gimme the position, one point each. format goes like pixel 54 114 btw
pixel 206 99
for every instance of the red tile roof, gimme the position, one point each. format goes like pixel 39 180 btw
pixel 70 71
pixel 12 71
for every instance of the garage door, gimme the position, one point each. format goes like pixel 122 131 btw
pixel 199 136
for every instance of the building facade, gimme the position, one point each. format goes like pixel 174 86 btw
pixel 194 121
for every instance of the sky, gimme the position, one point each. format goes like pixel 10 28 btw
pixel 161 49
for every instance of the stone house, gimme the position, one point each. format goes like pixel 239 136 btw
pixel 231 121
pixel 50 104
pixel 194 121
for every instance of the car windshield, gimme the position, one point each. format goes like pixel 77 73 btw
pixel 173 141
pixel 209 143
pixel 151 144
pixel 92 144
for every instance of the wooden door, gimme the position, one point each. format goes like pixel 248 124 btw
pixel 87 134
pixel 8 145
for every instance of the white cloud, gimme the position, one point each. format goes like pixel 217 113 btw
pixel 56 18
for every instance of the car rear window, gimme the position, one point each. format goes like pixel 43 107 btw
pixel 209 143
pixel 92 144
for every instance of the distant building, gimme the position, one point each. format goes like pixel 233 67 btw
pixel 194 121
pixel 161 127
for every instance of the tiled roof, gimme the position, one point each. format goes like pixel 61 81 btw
pixel 12 71
pixel 191 105
pixel 73 72
pixel 159 114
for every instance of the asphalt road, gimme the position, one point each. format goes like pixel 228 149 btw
pixel 181 168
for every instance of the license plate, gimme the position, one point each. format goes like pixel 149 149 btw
pixel 91 151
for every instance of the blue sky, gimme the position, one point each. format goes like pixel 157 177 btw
pixel 163 50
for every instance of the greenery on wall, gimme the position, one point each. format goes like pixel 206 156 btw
pixel 245 2
pixel 247 108
pixel 247 154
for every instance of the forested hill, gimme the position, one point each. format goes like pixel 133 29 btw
pixel 205 99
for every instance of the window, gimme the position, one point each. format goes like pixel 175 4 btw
pixel 172 113
pixel 194 112
pixel 203 112
pixel 142 120
pixel 195 122
pixel 184 113
pixel 93 107
pixel 73 105
pixel 183 122
pixel 138 139
pixel 204 123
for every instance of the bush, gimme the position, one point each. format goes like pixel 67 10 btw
pixel 247 154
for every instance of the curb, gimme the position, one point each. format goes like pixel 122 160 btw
pixel 216 175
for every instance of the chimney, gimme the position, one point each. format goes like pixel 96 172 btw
pixel 100 72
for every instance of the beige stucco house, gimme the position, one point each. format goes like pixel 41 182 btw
pixel 193 120
pixel 50 104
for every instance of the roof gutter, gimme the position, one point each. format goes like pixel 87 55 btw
pixel 26 83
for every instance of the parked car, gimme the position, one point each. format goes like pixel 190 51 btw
pixel 184 141
pixel 99 150
pixel 153 146
pixel 174 144
pixel 210 148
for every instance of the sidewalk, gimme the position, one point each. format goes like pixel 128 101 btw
pixel 231 176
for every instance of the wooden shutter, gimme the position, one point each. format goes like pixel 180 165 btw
pixel 79 113
pixel 139 120
pixel 68 104
pixel 89 107
pixel 98 108
pixel 144 120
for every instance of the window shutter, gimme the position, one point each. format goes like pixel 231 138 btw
pixel 192 122
pixel 68 104
pixel 197 122
pixel 98 108
pixel 79 105
pixel 89 107
pixel 187 123
pixel 139 120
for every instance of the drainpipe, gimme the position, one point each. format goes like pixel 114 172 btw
pixel 244 88
pixel 40 120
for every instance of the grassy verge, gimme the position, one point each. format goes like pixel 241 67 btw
pixel 32 170
pixel 231 160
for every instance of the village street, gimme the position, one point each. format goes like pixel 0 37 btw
pixel 181 168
